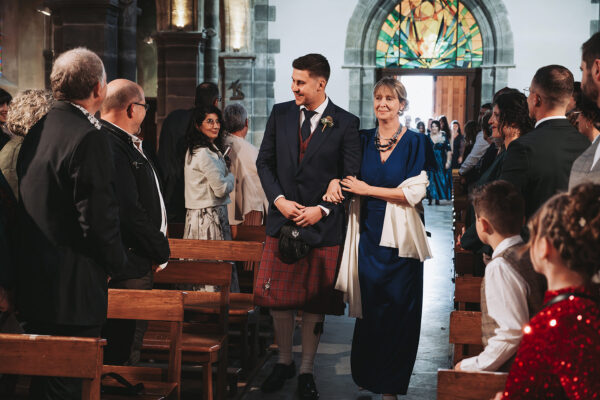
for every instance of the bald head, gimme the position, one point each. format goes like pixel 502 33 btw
pixel 120 93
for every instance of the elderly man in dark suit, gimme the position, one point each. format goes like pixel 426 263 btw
pixel 69 241
pixel 539 163
pixel 141 210
pixel 307 143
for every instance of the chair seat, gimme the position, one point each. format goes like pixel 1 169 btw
pixel 239 304
pixel 190 341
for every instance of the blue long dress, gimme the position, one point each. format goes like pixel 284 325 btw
pixel 440 178
pixel 384 346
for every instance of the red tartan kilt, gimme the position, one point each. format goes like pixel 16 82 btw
pixel 307 285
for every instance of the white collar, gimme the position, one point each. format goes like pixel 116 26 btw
pixel 549 118
pixel 321 109
pixel 506 243
pixel 595 139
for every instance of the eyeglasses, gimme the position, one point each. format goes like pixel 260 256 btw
pixel 211 122
pixel 145 105
pixel 527 91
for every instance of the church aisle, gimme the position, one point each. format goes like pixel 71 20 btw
pixel 332 364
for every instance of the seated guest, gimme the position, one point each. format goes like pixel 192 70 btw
pixel 558 355
pixel 27 108
pixel 470 135
pixel 458 145
pixel 479 147
pixel 208 181
pixel 5 99
pixel 586 167
pixel 512 291
pixel 141 211
pixel 539 164
pixel 247 194
pixel 69 241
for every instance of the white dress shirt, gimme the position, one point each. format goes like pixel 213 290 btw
pixel 597 154
pixel 506 297
pixel 479 148
pixel 549 118
pixel 314 122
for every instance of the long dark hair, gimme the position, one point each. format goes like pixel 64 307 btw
pixel 444 126
pixel 195 138
pixel 514 112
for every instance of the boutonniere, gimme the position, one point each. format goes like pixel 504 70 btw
pixel 327 122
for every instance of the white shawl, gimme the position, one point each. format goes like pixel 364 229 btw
pixel 402 229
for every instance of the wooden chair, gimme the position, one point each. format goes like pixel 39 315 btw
pixel 460 385
pixel 467 290
pixel 465 334
pixel 151 305
pixel 202 343
pixel 59 356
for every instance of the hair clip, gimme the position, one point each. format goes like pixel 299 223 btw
pixel 582 222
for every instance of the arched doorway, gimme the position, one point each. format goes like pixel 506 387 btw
pixel 490 55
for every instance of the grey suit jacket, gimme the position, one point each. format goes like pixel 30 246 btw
pixel 582 171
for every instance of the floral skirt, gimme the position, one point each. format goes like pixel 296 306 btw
pixel 211 223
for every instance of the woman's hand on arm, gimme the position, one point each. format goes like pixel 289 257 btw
pixel 334 192
pixel 391 195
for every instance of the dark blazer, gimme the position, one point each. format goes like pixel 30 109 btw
pixel 139 206
pixel 539 163
pixel 332 153
pixel 171 151
pixel 69 241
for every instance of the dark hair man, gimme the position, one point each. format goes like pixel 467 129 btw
pixel 539 163
pixel 171 149
pixel 480 146
pixel 141 210
pixel 587 166
pixel 307 143
pixel 5 99
pixel 69 242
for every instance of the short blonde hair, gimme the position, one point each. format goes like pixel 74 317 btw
pixel 395 86
pixel 26 109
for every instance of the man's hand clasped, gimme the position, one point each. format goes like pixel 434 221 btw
pixel 301 215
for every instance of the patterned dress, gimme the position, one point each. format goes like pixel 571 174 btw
pixel 440 179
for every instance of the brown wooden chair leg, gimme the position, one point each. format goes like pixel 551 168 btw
pixel 207 383
pixel 222 374
pixel 244 345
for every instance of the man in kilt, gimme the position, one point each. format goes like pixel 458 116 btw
pixel 307 143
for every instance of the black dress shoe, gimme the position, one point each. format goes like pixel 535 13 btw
pixel 278 376
pixel 307 390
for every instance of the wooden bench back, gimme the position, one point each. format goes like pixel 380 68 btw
pixel 215 250
pixel 467 289
pixel 460 385
pixel 248 233
pixel 149 305
pixel 59 356
pixel 464 262
pixel 465 334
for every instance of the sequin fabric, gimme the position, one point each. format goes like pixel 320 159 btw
pixel 559 355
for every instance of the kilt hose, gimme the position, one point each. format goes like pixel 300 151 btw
pixel 307 285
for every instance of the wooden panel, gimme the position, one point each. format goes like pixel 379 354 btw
pixel 465 327
pixel 215 250
pixel 464 262
pixel 50 355
pixel 451 97
pixel 150 305
pixel 249 233
pixel 467 289
pixel 194 272
pixel 459 385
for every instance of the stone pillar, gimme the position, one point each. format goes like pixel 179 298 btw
pixel 90 23
pixel 178 73
pixel 213 43
pixel 128 15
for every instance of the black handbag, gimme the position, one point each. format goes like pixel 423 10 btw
pixel 291 246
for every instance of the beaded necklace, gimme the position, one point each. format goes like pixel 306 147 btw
pixel 392 141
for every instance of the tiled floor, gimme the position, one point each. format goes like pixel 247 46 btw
pixel 332 365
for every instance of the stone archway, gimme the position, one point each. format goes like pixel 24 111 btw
pixel 361 40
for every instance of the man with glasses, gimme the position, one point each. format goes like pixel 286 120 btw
pixel 142 211
pixel 539 162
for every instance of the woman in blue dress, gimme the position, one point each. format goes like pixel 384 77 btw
pixel 440 178
pixel 384 346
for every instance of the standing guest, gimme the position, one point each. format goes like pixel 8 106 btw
pixel 69 213
pixel 307 143
pixel 208 181
pixel 558 356
pixel 429 121
pixel 470 135
pixel 511 292
pixel 247 195
pixel 572 106
pixel 440 184
pixel 586 167
pixel 445 126
pixel 458 145
pixel 407 121
pixel 539 163
pixel 392 181
pixel 479 148
pixel 590 67
pixel 141 211
pixel 421 127
pixel 5 99
pixel 172 147
pixel 27 108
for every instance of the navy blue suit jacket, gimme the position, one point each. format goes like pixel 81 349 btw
pixel 333 152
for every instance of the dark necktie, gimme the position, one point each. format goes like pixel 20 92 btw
pixel 305 129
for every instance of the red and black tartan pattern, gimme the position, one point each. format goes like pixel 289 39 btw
pixel 307 285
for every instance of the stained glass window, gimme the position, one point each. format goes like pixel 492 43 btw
pixel 430 34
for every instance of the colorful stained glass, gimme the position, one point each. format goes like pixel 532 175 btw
pixel 430 34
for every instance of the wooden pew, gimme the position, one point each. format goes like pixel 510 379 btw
pixel 460 385
pixel 151 305
pixel 467 289
pixel 57 356
pixel 465 334
pixel 202 343
pixel 464 262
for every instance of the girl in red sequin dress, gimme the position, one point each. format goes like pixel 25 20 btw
pixel 559 355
